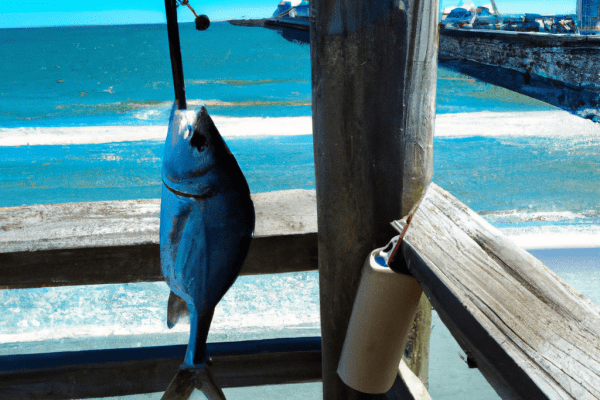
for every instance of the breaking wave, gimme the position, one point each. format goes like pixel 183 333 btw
pixel 552 229
pixel 555 236
pixel 546 124
pixel 518 216
pixel 248 103
pixel 241 82
pixel 255 307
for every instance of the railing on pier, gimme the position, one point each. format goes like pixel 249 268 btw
pixel 530 334
pixel 117 242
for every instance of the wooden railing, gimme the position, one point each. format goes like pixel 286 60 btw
pixel 528 332
pixel 117 242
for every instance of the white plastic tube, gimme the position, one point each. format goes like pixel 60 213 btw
pixel 382 315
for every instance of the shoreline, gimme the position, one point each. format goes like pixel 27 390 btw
pixel 485 123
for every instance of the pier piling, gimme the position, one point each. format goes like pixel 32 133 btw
pixel 374 66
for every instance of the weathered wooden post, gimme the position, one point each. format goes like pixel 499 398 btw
pixel 374 66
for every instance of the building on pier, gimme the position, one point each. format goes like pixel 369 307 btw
pixel 588 13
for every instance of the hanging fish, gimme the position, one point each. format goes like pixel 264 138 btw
pixel 206 225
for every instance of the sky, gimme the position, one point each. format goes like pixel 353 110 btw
pixel 32 13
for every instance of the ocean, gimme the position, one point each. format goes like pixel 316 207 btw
pixel 83 113
pixel 121 75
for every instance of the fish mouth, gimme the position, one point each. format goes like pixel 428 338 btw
pixel 206 193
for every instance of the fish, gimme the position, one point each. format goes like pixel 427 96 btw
pixel 207 220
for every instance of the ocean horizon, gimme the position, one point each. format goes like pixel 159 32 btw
pixel 83 117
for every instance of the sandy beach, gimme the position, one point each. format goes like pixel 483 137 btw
pixel 550 123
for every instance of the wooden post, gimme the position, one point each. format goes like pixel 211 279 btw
pixel 374 67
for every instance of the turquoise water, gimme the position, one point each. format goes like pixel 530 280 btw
pixel 121 75
pixel 518 181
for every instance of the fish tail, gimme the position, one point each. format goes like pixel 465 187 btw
pixel 183 384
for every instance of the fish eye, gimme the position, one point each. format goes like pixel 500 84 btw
pixel 198 141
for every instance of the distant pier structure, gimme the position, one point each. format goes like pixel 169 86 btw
pixel 588 13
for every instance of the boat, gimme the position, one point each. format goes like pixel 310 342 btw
pixel 292 9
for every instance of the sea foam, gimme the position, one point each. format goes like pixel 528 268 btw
pixel 228 127
pixel 555 236
pixel 530 123
pixel 506 124
pixel 517 216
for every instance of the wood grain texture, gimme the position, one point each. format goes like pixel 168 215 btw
pixel 374 66
pixel 529 333
pixel 416 353
pixel 117 241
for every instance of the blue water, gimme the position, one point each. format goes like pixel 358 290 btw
pixel 514 177
pixel 121 171
pixel 88 76
pixel 121 75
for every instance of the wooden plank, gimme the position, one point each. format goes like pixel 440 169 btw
pixel 529 333
pixel 374 67
pixel 407 386
pixel 121 372
pixel 117 241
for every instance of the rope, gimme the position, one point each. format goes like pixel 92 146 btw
pixel 187 3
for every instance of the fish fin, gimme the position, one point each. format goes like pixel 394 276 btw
pixel 182 385
pixel 208 385
pixel 175 309
pixel 186 380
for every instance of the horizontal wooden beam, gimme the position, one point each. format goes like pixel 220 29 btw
pixel 117 241
pixel 122 372
pixel 529 333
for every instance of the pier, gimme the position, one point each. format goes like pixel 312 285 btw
pixel 374 67
pixel 559 69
